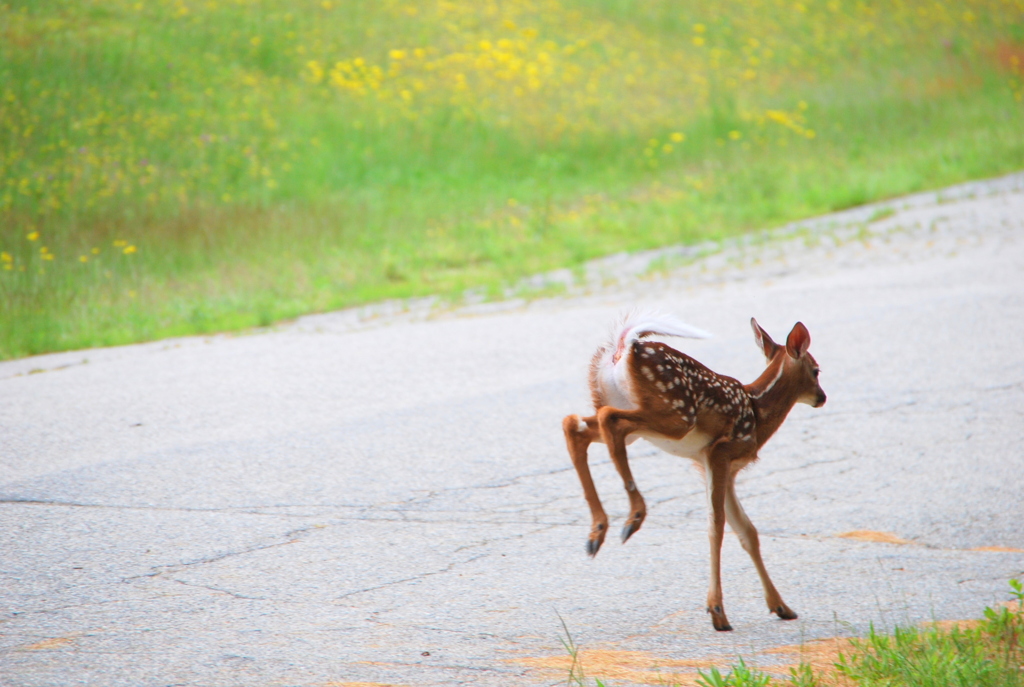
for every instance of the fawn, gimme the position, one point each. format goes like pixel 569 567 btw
pixel 650 390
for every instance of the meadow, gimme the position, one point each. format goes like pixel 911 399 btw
pixel 176 167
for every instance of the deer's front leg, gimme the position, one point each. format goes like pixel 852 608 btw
pixel 579 434
pixel 747 533
pixel 718 476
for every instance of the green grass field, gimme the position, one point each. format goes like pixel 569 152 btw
pixel 186 166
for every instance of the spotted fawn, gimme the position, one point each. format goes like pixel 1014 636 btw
pixel 647 389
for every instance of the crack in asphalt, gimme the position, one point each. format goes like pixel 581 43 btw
pixel 256 509
pixel 521 535
pixel 160 570
pixel 385 515
pixel 413 578
pixel 57 609
pixel 225 591
pixel 253 510
pixel 260 510
pixel 448 568
pixel 802 466
pixel 292 537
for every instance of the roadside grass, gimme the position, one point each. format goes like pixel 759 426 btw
pixel 179 167
pixel 984 653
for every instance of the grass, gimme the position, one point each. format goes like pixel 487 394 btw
pixel 188 166
pixel 986 653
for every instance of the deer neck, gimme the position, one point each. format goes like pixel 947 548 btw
pixel 772 398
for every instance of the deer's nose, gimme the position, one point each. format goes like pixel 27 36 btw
pixel 821 399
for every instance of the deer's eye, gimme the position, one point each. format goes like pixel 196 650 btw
pixel 815 373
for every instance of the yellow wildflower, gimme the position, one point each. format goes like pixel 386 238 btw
pixel 128 250
pixel 32 236
pixel 314 72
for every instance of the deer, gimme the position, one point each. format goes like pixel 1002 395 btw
pixel 643 388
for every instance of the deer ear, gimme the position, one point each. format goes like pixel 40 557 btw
pixel 764 342
pixel 799 340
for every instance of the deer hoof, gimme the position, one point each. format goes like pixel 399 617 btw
pixel 630 529
pixel 784 612
pixel 719 620
pixel 596 538
pixel 632 525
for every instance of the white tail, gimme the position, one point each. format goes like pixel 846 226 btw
pixel 638 324
pixel 648 389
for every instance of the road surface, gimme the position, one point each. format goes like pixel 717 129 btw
pixel 385 497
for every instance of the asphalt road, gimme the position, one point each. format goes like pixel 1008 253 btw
pixel 368 498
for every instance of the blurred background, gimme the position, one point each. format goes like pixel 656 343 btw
pixel 175 167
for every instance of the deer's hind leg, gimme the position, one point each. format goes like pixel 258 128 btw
pixel 616 425
pixel 579 434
